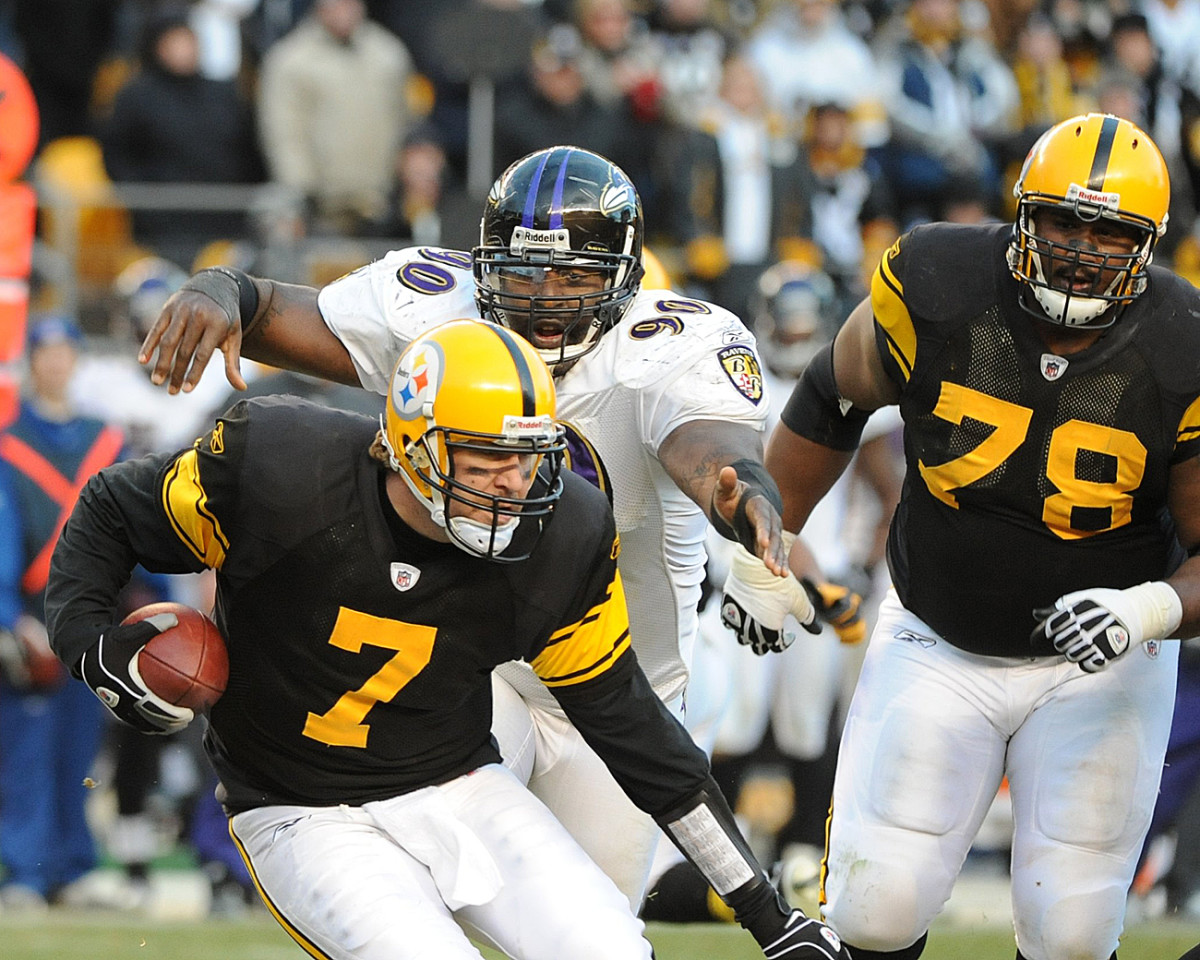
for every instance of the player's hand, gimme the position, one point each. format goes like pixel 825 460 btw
pixel 109 667
pixel 1094 627
pixel 26 660
pixel 191 326
pixel 802 938
pixel 770 542
pixel 756 602
pixel 838 606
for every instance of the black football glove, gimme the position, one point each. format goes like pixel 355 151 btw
pixel 803 938
pixel 786 933
pixel 838 606
pixel 110 668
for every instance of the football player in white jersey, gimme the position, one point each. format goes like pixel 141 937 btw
pixel 662 393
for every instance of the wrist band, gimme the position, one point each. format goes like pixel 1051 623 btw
pixel 759 483
pixel 240 303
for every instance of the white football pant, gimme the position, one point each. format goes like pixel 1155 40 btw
pixel 547 753
pixel 402 879
pixel 931 732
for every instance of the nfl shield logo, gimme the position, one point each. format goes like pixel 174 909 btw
pixel 1151 648
pixel 1053 366
pixel 404 576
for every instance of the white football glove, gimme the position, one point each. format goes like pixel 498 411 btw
pixel 755 603
pixel 1094 627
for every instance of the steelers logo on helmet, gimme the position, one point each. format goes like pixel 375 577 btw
pixel 1093 169
pixel 417 378
pixel 469 388
pixel 560 254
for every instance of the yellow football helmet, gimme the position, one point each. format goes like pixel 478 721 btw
pixel 470 384
pixel 1095 166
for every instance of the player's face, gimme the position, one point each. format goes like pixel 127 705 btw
pixel 1093 241
pixel 493 473
pixel 566 285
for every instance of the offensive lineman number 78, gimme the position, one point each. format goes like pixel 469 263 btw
pixel 1011 422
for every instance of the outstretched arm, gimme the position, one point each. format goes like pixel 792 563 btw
pixel 710 461
pixel 222 309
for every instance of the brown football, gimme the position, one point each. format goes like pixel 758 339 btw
pixel 188 664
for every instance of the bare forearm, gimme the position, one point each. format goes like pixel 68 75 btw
pixel 804 471
pixel 288 332
pixel 695 453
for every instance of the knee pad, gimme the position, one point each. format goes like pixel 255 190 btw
pixel 888 924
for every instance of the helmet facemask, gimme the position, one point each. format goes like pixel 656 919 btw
pixel 559 259
pixel 1087 184
pixel 427 464
pixel 467 395
pixel 795 315
pixel 506 278
pixel 1047 267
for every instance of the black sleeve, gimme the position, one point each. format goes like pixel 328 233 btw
pixel 647 750
pixel 117 523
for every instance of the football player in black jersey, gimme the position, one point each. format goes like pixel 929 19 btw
pixel 368 580
pixel 1048 379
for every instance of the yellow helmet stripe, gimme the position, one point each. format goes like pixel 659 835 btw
pixel 528 394
pixel 1104 145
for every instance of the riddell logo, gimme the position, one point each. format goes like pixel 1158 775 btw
pixel 1078 194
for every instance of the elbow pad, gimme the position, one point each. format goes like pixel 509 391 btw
pixel 817 412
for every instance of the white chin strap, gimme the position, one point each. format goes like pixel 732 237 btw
pixel 475 536
pixel 1072 311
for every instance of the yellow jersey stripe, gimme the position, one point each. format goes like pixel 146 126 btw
pixel 593 669
pixel 305 944
pixel 585 649
pixel 1189 424
pixel 891 313
pixel 186 504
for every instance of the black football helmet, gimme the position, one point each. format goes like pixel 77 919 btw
pixel 567 217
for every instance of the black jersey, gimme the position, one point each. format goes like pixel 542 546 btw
pixel 361 652
pixel 1029 475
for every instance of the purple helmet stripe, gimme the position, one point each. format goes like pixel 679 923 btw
pixel 556 217
pixel 531 197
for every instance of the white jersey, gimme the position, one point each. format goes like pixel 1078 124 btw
pixel 669 361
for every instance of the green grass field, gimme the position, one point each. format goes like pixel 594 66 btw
pixel 92 937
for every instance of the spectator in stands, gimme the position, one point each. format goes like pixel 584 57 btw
pixel 807 56
pixel 50 730
pixel 1136 86
pixel 333 112
pixel 427 204
pixel 551 104
pixel 1045 91
pixel 1174 26
pixel 853 212
pixel 743 191
pixel 690 48
pixel 616 59
pixel 169 124
pixel 951 100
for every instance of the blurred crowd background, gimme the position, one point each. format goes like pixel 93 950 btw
pixel 780 146
pixel 299 137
